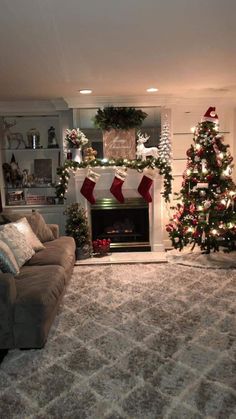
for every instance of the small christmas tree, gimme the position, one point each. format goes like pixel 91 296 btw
pixel 77 225
pixel 164 147
pixel 206 216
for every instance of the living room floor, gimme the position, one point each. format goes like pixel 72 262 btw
pixel 132 341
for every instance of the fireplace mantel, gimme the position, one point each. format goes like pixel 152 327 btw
pixel 129 189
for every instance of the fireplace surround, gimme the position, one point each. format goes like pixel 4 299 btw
pixel 154 211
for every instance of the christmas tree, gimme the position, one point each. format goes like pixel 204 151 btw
pixel 77 225
pixel 164 147
pixel 205 214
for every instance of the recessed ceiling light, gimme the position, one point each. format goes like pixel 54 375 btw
pixel 152 89
pixel 85 91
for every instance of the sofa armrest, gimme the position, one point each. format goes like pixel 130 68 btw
pixel 7 289
pixel 7 301
pixel 54 229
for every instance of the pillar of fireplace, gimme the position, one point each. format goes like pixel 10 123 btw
pixel 129 189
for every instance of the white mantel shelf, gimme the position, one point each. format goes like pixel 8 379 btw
pixel 129 189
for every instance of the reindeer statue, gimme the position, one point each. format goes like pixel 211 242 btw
pixel 142 151
pixel 12 137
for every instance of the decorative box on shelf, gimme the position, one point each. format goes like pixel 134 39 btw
pixel 36 199
pixel 15 198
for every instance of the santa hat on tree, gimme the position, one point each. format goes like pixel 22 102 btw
pixel 211 115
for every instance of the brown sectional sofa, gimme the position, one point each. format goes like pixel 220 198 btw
pixel 29 301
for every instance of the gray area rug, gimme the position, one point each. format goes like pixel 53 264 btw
pixel 132 341
pixel 213 260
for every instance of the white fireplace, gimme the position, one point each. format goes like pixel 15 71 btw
pixel 129 189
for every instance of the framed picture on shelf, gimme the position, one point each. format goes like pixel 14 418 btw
pixel 43 171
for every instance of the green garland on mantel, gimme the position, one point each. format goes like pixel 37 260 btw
pixel 164 170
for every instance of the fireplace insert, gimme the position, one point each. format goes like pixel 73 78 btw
pixel 126 225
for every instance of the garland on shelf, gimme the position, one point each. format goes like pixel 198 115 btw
pixel 70 165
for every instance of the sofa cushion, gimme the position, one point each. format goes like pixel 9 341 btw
pixel 57 252
pixel 38 291
pixel 36 222
pixel 17 243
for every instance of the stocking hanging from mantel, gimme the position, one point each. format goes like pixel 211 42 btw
pixel 116 187
pixel 88 186
pixel 146 183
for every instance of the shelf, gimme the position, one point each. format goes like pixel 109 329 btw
pixel 10 188
pixel 25 206
pixel 31 149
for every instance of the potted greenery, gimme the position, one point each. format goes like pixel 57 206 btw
pixel 118 125
pixel 77 227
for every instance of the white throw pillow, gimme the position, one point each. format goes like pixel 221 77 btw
pixel 23 226
pixel 8 262
pixel 17 243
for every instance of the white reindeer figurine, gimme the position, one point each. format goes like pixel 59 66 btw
pixel 12 137
pixel 142 152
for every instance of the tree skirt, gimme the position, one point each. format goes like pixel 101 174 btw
pixel 214 260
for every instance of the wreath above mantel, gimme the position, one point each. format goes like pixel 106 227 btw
pixel 71 166
pixel 112 117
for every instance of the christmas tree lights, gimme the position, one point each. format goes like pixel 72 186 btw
pixel 206 215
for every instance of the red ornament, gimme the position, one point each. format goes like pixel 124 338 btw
pixel 220 207
pixel 192 208
pixel 200 152
pixel 169 228
pixel 189 152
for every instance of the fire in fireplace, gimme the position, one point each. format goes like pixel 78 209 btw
pixel 127 225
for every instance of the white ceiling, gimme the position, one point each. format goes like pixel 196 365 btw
pixel 52 48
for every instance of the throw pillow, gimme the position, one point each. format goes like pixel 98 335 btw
pixel 8 262
pixel 39 227
pixel 17 243
pixel 23 226
pixel 36 222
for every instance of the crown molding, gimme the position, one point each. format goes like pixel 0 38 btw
pixel 32 106
pixel 63 104
pixel 99 101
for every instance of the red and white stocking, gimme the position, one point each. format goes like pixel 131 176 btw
pixel 88 186
pixel 116 187
pixel 145 184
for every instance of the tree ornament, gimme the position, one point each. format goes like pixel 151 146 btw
pixel 211 115
pixel 207 204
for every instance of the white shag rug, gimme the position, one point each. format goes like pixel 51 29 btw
pixel 143 341
pixel 213 260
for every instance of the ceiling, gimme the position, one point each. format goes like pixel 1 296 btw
pixel 52 48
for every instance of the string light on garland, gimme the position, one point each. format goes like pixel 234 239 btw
pixel 71 166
